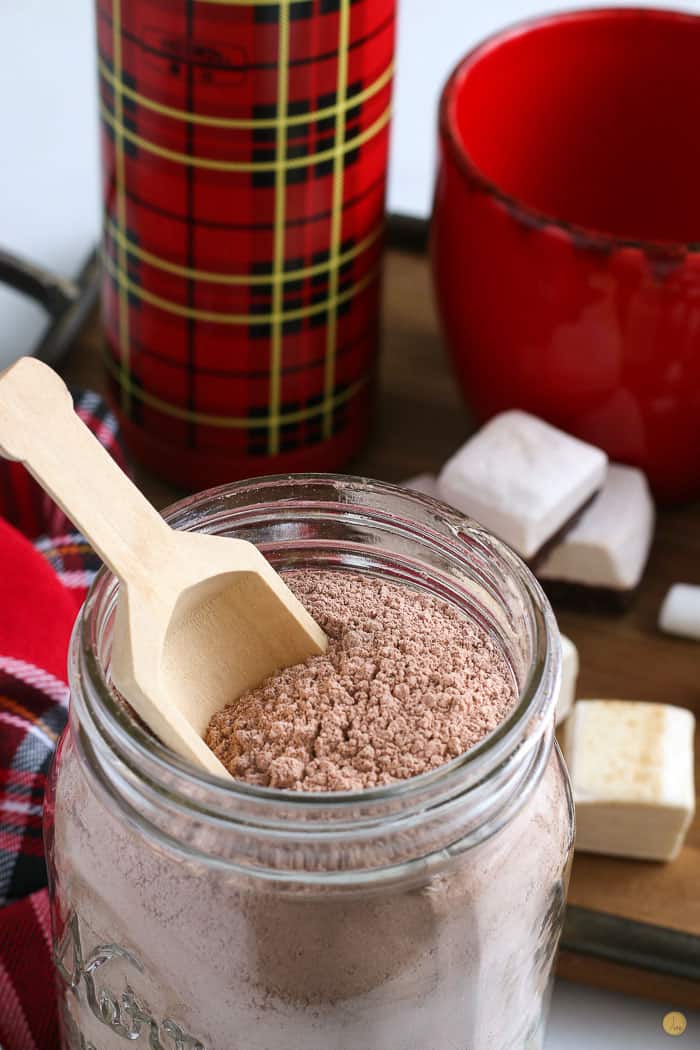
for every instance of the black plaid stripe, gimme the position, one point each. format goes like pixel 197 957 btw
pixel 309 290
pixel 157 208
pixel 261 371
pixel 133 263
pixel 298 434
pixel 307 139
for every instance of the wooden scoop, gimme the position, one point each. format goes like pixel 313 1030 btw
pixel 199 618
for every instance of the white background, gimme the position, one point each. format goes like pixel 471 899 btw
pixel 49 210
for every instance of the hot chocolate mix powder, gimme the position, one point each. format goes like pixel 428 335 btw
pixel 406 684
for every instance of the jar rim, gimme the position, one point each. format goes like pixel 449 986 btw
pixel 433 521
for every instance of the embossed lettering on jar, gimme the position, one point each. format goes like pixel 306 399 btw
pixel 193 913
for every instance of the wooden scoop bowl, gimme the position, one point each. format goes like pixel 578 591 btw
pixel 199 618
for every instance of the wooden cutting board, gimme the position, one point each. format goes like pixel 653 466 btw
pixel 631 926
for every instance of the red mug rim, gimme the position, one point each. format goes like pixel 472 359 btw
pixel 587 236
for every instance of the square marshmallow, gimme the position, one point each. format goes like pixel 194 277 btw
pixel 522 479
pixel 631 767
pixel 609 545
pixel 680 612
pixel 569 678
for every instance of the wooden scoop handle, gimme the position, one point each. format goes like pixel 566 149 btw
pixel 39 427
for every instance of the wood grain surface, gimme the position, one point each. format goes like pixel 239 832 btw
pixel 420 420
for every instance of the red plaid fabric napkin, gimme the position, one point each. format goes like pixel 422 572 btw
pixel 45 569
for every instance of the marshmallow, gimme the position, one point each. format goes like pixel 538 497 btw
pixel 680 612
pixel 522 479
pixel 609 545
pixel 425 483
pixel 569 677
pixel 631 767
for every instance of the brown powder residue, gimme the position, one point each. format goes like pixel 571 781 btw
pixel 406 684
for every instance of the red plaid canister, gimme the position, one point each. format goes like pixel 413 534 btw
pixel 244 168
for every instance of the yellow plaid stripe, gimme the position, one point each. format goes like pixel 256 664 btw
pixel 277 317
pixel 120 194
pixel 238 279
pixel 211 164
pixel 229 422
pixel 336 217
pixel 248 124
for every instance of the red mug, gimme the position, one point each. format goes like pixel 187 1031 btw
pixel 565 235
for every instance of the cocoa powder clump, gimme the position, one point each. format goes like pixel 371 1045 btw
pixel 407 683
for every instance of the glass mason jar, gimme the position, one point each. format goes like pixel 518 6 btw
pixel 193 913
